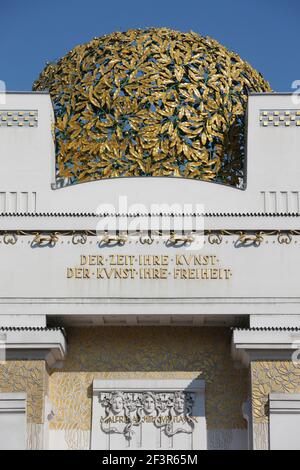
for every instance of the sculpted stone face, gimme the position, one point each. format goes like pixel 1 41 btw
pixel 149 404
pixel 117 404
pixel 179 404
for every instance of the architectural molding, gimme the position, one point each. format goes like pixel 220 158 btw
pixel 240 238
pixel 160 214
pixel 13 402
pixel 34 343
pixel 103 310
pixel 284 403
pixel 22 321
pixel 256 344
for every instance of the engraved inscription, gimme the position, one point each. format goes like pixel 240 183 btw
pixel 149 267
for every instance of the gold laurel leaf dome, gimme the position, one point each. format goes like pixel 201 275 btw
pixel 152 102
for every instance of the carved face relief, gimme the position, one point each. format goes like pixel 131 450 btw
pixel 179 404
pixel 131 409
pixel 117 404
pixel 148 404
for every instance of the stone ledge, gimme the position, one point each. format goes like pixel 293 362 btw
pixel 47 344
pixel 265 344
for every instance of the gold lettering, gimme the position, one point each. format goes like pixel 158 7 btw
pixel 70 273
pixel 214 260
pixel 91 260
pixel 149 267
pixel 86 273
pixel 215 273
pixel 83 259
pixel 204 273
pixel 228 273
pixel 100 273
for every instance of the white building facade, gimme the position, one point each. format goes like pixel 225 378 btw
pixel 119 331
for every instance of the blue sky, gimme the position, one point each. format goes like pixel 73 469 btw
pixel 263 32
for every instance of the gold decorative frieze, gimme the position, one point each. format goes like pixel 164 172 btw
pixel 146 352
pixel 212 237
pixel 279 117
pixel 271 377
pixel 18 118
pixel 29 377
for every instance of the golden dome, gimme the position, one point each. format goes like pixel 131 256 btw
pixel 151 102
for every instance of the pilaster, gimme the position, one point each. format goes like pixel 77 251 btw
pixel 272 355
pixel 27 356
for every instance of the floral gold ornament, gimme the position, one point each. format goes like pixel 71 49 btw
pixel 214 237
pixel 153 102
pixel 271 377
pixel 108 239
pixel 247 239
pixel 45 239
pixel 148 353
pixel 10 238
pixel 29 377
pixel 79 238
pixel 176 239
pixel 284 238
pixel 146 239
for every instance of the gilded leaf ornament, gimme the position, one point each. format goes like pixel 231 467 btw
pixel 151 102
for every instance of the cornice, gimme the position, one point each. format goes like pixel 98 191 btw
pixel 268 328
pixel 33 328
pixel 34 343
pixel 265 344
pixel 243 237
pixel 160 214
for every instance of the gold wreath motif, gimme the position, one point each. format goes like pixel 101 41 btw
pixel 45 239
pixel 152 102
pixel 247 239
